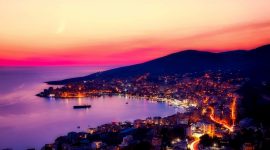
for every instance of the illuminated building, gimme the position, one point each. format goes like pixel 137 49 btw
pixel 188 131
pixel 248 146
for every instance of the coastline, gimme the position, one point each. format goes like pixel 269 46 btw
pixel 197 110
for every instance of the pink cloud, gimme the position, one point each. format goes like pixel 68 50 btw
pixel 138 50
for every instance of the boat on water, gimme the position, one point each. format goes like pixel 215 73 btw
pixel 81 106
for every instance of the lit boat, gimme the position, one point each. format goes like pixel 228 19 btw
pixel 81 106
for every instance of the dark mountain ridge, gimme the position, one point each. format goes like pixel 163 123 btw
pixel 254 64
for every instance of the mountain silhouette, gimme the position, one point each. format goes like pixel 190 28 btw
pixel 254 64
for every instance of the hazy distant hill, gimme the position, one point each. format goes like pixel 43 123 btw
pixel 254 64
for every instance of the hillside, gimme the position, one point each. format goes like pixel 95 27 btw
pixel 254 64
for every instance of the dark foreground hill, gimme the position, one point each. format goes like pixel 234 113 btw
pixel 254 64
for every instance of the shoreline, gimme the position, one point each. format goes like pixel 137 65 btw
pixel 209 102
pixel 121 126
pixel 169 101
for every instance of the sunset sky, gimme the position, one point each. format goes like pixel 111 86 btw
pixel 120 32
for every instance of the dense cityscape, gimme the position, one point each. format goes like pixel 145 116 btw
pixel 134 75
pixel 209 121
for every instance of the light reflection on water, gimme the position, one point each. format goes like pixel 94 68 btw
pixel 28 121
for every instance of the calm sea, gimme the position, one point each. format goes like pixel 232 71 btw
pixel 28 121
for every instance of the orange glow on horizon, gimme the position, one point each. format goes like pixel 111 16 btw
pixel 120 32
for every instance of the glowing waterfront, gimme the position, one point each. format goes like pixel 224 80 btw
pixel 29 121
